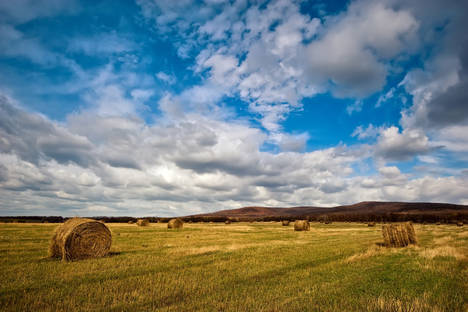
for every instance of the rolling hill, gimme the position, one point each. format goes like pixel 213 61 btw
pixel 362 208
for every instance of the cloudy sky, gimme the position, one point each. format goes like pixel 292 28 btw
pixel 163 108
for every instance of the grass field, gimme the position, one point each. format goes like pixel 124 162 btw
pixel 238 267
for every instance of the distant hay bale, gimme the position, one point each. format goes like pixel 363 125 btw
pixel 131 222
pixel 327 222
pixel 175 224
pixel 438 223
pixel 398 235
pixel 142 222
pixel 80 238
pixel 227 222
pixel 285 222
pixel 459 223
pixel 371 224
pixel 301 225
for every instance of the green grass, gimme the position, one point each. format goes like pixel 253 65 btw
pixel 238 267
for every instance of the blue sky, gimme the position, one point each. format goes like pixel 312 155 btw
pixel 166 108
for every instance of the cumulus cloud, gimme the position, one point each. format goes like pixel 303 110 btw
pixel 33 138
pixel 198 156
pixel 351 50
pixel 438 88
pixel 366 133
pixel 272 55
pixel 97 163
pixel 395 145
pixel 115 161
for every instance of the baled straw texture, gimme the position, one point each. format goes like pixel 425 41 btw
pixel 80 238
pixel 175 224
pixel 398 235
pixel 301 225
pixel 285 222
pixel 142 222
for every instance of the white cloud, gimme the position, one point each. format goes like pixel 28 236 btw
pixel 354 107
pixel 351 51
pixel 368 133
pixel 385 97
pixel 395 145
pixel 288 55
pixel 102 44
pixel 194 157
pixel 21 11
pixel 184 166
pixel 15 44
pixel 167 78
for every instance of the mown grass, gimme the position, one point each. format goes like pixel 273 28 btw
pixel 238 267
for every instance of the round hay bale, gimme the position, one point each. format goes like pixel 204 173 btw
pixel 142 222
pixel 227 222
pixel 285 223
pixel 301 225
pixel 175 224
pixel 371 224
pixel 398 235
pixel 80 238
pixel 438 223
pixel 459 223
pixel 131 222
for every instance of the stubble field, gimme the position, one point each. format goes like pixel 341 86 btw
pixel 238 267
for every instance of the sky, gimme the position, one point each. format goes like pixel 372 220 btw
pixel 171 108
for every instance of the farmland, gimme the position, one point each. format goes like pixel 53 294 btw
pixel 260 266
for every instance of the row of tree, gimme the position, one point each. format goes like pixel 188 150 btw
pixel 433 217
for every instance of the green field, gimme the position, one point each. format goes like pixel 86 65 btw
pixel 238 267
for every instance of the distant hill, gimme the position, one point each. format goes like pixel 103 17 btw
pixel 361 212
pixel 363 208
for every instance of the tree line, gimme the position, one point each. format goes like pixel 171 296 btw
pixel 423 217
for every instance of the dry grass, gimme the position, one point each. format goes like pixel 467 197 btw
pixel 444 251
pixel 241 267
pixel 372 251
pixel 383 304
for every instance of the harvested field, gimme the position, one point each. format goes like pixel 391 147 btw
pixel 241 267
